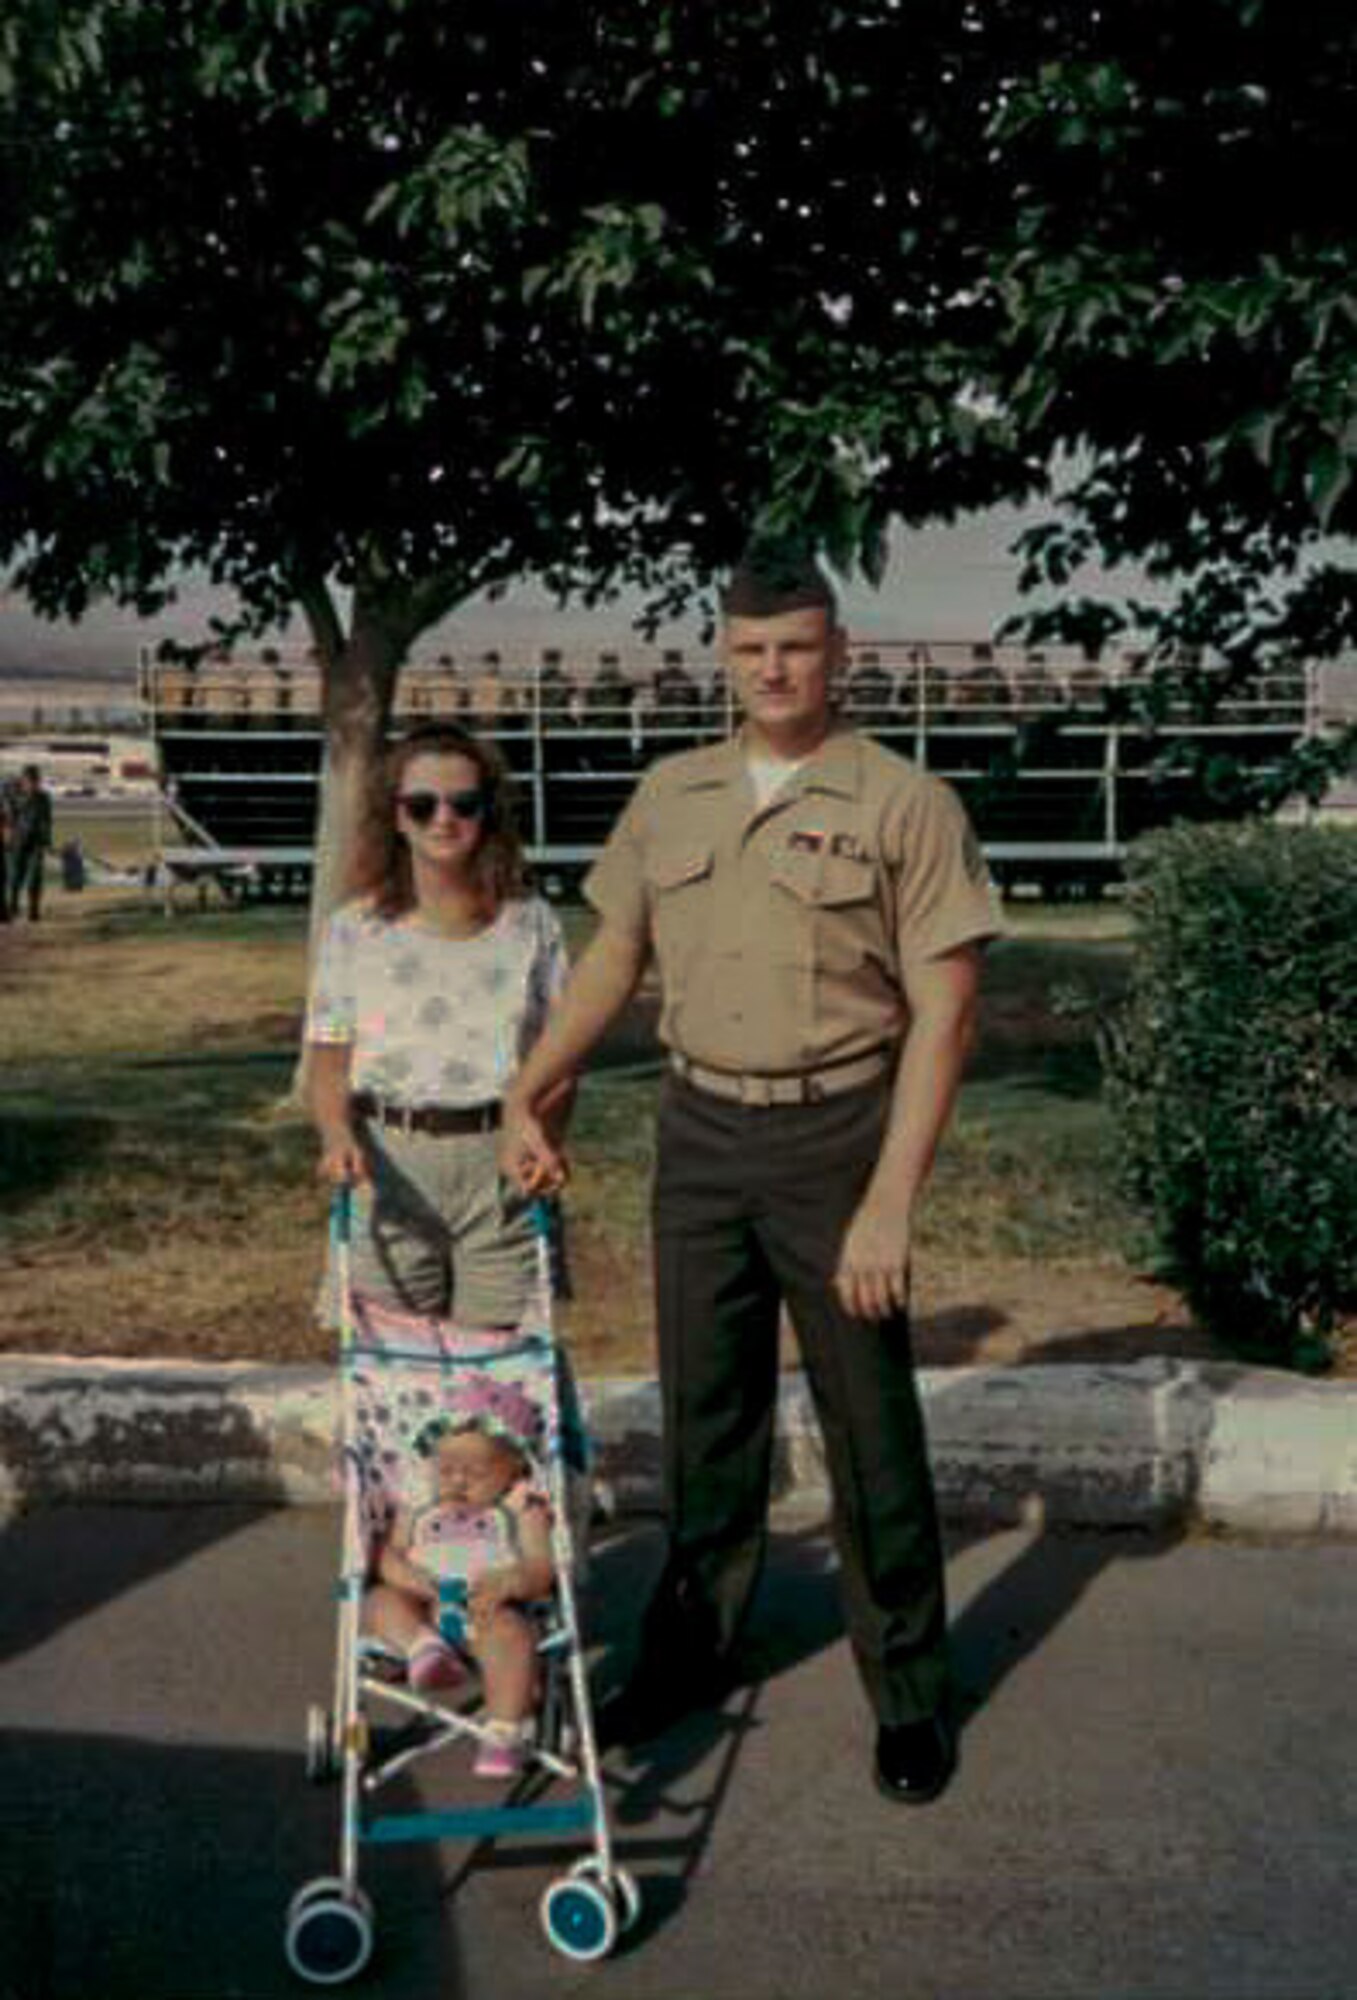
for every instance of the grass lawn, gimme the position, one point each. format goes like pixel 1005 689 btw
pixel 158 1194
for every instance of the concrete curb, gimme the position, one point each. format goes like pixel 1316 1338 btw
pixel 1153 1443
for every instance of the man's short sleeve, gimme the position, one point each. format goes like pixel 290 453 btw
pixel 553 960
pixel 332 1012
pixel 943 894
pixel 547 973
pixel 616 884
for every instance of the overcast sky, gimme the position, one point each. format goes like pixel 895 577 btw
pixel 942 583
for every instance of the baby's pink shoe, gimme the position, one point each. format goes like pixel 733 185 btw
pixel 501 1751
pixel 432 1664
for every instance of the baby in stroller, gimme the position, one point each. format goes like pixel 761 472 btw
pixel 456 1573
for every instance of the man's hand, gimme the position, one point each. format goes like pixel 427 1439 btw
pixel 872 1279
pixel 342 1163
pixel 527 1158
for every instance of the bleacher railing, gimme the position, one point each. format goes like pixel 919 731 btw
pixel 1029 736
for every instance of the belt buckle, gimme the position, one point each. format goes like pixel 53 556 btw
pixel 756 1091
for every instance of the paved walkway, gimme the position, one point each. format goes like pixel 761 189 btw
pixel 1157 1799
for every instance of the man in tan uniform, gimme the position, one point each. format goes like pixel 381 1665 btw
pixel 815 905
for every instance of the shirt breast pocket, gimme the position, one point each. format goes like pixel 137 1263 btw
pixel 833 907
pixel 679 883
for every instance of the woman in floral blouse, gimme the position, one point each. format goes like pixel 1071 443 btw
pixel 431 984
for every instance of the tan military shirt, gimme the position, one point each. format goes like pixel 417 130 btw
pixel 783 934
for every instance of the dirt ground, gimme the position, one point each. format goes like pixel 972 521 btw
pixel 995 1311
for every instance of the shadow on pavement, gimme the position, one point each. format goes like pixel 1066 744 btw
pixel 666 1796
pixel 1013 1615
pixel 54 1571
pixel 135 1870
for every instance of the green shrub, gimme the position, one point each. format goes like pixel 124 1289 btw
pixel 1233 1075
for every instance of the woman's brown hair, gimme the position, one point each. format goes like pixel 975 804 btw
pixel 380 867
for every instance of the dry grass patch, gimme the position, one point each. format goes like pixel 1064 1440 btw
pixel 157 1197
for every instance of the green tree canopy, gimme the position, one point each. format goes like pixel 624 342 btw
pixel 414 299
pixel 1179 326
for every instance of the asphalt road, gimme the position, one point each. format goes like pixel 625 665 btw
pixel 1157 1799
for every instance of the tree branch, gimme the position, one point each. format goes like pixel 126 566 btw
pixel 313 594
pixel 433 597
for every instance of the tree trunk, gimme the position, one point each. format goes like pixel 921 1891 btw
pixel 359 678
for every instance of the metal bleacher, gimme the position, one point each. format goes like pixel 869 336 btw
pixel 1056 774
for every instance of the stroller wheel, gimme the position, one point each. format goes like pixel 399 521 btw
pixel 322 1752
pixel 327 1885
pixel 626 1892
pixel 329 1935
pixel 579 1918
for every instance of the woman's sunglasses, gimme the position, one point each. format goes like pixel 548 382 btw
pixel 421 806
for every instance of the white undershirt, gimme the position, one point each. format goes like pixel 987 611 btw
pixel 769 774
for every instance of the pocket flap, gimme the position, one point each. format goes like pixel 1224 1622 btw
pixel 827 880
pixel 674 867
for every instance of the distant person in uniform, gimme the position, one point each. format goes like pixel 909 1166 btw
pixel 608 702
pixel 553 691
pixel 30 838
pixel 716 706
pixel 73 865
pixel 870 695
pixel 490 701
pixel 677 713
pixel 557 697
pixel 4 854
pixel 815 906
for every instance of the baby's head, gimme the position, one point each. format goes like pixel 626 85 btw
pixel 480 1446
pixel 475 1466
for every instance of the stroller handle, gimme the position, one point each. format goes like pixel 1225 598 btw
pixel 341 1214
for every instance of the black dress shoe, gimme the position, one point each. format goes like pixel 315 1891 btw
pixel 915 1760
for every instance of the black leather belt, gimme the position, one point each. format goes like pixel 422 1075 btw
pixel 435 1119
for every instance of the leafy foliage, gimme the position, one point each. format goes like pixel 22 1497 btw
pixel 415 299
pixel 1233 1071
pixel 1180 326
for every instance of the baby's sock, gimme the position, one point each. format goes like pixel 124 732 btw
pixel 502 1749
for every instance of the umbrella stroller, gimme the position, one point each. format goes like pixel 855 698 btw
pixel 400 1374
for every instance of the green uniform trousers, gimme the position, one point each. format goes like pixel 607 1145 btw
pixel 751 1208
pixel 26 869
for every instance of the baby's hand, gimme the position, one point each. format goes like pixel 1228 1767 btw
pixel 424 1582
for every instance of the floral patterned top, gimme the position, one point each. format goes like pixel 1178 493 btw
pixel 436 1020
pixel 459 1544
